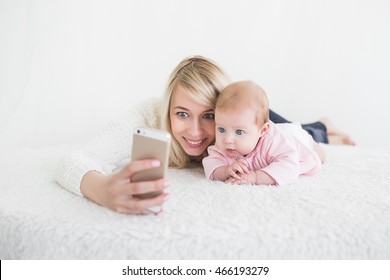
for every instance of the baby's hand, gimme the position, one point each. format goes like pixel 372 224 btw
pixel 247 178
pixel 237 169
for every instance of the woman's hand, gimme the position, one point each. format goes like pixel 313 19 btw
pixel 117 192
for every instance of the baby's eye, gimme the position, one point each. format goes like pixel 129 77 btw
pixel 208 116
pixel 239 132
pixel 182 115
pixel 221 129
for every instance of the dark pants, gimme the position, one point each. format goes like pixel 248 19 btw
pixel 317 130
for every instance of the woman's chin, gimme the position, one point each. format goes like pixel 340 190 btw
pixel 194 152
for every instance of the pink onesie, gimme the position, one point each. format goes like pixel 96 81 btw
pixel 284 153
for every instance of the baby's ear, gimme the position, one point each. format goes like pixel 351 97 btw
pixel 264 129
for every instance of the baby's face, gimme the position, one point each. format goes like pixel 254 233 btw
pixel 237 133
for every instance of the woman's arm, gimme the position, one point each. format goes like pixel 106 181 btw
pixel 88 171
pixel 102 153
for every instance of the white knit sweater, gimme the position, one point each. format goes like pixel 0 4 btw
pixel 106 150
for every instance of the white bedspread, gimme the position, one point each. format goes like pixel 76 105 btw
pixel 341 213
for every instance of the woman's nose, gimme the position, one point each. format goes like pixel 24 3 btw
pixel 195 129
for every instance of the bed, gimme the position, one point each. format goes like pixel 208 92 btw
pixel 341 213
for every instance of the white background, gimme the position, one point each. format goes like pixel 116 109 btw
pixel 69 67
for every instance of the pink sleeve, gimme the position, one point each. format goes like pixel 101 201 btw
pixel 283 160
pixel 214 160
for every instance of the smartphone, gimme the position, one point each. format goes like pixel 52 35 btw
pixel 150 143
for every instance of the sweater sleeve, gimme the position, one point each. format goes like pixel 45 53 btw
pixel 214 160
pixel 108 148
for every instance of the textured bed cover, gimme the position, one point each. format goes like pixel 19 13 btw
pixel 341 213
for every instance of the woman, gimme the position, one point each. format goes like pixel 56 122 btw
pixel 187 112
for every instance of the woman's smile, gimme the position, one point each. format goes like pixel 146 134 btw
pixel 195 143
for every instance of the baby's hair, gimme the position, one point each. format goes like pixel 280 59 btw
pixel 243 95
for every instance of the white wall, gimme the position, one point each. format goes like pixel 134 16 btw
pixel 68 67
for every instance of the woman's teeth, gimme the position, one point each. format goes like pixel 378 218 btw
pixel 194 142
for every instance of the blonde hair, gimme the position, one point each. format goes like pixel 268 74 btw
pixel 202 79
pixel 242 95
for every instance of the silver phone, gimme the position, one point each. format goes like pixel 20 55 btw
pixel 150 143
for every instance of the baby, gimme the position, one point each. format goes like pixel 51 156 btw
pixel 250 149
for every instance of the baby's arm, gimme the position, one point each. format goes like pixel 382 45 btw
pixel 219 173
pixel 258 177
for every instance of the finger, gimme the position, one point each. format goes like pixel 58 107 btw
pixel 231 180
pixel 234 174
pixel 154 209
pixel 238 169
pixel 131 205
pixel 235 181
pixel 244 165
pixel 243 161
pixel 143 188
pixel 137 166
pixel 245 169
pixel 146 206
pixel 129 211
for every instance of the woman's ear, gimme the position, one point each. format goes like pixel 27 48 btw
pixel 264 129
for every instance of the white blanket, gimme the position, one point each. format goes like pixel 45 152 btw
pixel 341 213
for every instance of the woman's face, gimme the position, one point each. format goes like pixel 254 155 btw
pixel 193 125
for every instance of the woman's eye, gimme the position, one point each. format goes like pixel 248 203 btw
pixel 182 114
pixel 208 116
pixel 221 130
pixel 239 132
